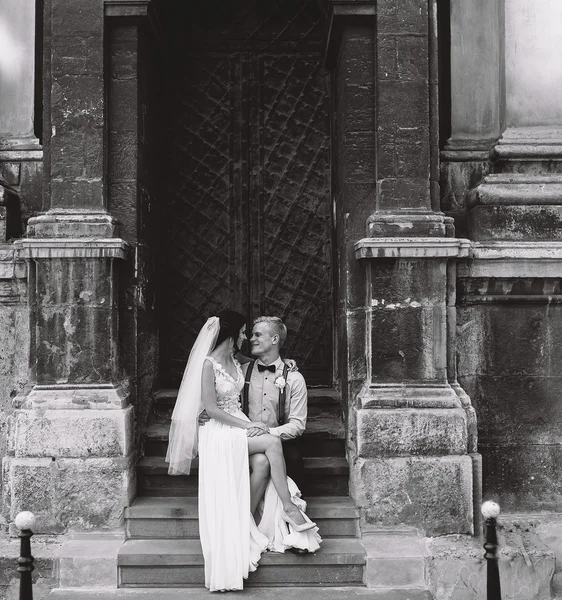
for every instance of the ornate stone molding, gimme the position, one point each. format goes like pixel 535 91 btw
pixel 509 290
pixel 19 155
pixel 397 247
pixel 530 144
pixel 512 259
pixel 517 189
pixel 71 248
pixel 409 395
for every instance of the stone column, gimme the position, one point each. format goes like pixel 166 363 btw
pixel 17 74
pixel 408 433
pixel 473 53
pixel 20 151
pixel 71 457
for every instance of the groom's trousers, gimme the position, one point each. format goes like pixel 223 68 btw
pixel 293 459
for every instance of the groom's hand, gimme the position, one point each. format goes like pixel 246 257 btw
pixel 203 418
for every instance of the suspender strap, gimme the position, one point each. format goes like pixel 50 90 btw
pixel 246 392
pixel 283 398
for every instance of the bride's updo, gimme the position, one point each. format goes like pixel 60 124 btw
pixel 231 324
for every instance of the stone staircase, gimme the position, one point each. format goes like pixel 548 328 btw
pixel 162 548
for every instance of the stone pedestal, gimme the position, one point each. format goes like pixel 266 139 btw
pixel 20 106
pixel 412 427
pixel 70 454
pixel 471 122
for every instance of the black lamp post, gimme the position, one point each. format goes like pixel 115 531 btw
pixel 25 522
pixel 491 511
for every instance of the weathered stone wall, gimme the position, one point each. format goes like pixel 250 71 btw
pixel 14 338
pixel 354 188
pixel 510 360
pixel 132 168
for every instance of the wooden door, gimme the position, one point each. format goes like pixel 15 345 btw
pixel 247 211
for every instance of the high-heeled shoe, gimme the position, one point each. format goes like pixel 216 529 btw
pixel 304 527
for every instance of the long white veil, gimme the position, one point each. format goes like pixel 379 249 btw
pixel 182 447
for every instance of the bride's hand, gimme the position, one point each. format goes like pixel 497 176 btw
pixel 291 363
pixel 255 429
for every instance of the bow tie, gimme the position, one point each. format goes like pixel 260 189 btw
pixel 262 368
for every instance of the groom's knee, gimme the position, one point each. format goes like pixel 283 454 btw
pixel 259 465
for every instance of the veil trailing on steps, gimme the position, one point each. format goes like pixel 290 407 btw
pixel 182 447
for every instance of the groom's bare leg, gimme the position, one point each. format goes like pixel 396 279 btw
pixel 259 476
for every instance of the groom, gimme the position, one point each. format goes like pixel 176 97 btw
pixel 276 397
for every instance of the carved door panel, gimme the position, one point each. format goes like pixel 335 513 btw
pixel 291 257
pixel 247 217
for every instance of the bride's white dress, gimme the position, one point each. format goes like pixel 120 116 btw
pixel 232 543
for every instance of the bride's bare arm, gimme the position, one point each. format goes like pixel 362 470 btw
pixel 209 399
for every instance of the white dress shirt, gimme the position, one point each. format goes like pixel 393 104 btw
pixel 263 400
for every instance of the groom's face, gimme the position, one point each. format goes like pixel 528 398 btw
pixel 262 340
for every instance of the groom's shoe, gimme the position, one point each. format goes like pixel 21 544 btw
pixel 300 551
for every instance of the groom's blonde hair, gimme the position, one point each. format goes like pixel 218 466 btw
pixel 277 327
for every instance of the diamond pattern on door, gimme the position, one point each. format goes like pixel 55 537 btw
pixel 296 256
pixel 247 210
pixel 200 231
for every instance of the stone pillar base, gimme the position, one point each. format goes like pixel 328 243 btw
pixel 432 493
pixel 71 468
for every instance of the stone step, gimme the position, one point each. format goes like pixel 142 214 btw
pixel 251 593
pixel 324 476
pixel 172 518
pixel 324 436
pixel 169 563
pixel 321 402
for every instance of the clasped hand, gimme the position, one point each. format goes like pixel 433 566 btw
pixel 256 428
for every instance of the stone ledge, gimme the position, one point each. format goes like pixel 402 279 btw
pixel 432 493
pixel 516 189
pixel 89 560
pixel 512 259
pixel 31 248
pixel 74 397
pixel 403 395
pixel 413 247
pixel 71 434
pixel 395 559
pixel 411 432
pixel 71 224
pixel 69 493
pixel 456 568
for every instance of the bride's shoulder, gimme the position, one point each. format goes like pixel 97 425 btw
pixel 210 362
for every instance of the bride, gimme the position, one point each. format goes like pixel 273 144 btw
pixel 232 543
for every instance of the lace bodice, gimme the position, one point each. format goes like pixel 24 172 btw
pixel 228 389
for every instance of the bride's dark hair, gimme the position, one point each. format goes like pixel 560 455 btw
pixel 231 324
